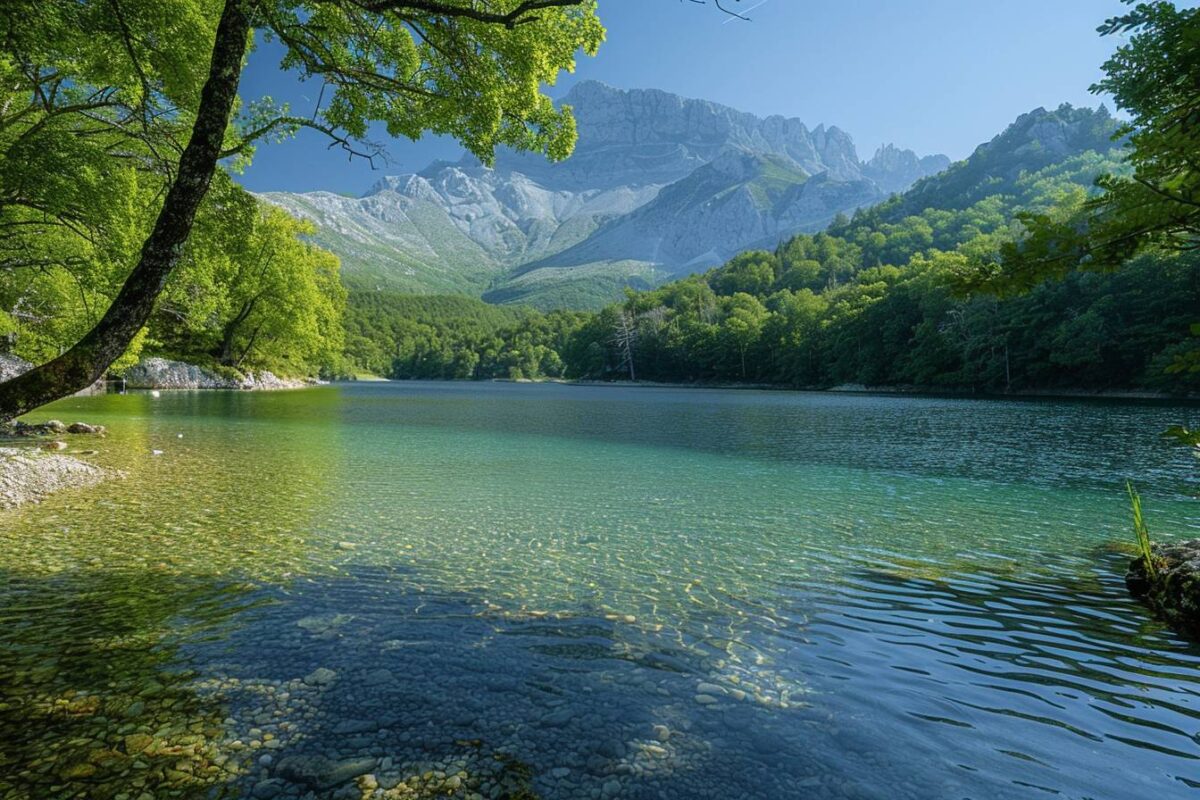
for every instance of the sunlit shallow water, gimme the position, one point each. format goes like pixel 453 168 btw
pixel 407 590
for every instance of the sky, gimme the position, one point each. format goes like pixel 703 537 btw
pixel 936 76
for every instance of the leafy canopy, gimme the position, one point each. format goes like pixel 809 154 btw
pixel 1155 201
pixel 98 99
pixel 445 67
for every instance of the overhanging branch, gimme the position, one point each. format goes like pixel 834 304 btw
pixel 518 16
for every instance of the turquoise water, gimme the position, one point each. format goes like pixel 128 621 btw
pixel 499 590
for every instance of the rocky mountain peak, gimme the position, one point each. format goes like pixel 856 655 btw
pixel 895 169
pixel 1054 134
pixel 658 184
pixel 648 136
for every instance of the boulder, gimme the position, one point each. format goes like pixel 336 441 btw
pixel 1173 590
pixel 320 773
pixel 268 381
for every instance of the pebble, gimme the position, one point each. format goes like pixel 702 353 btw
pixel 558 718
pixel 613 748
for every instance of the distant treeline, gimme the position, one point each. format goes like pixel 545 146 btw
pixel 453 337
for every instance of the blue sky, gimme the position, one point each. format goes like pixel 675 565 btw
pixel 931 75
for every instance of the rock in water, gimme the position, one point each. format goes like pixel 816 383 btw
pixel 321 676
pixel 318 772
pixel 29 476
pixel 1173 590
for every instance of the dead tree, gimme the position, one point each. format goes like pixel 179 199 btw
pixel 625 334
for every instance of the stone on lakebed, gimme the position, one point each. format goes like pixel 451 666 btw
pixel 318 772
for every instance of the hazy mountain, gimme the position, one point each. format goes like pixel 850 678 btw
pixel 658 185
pixel 894 170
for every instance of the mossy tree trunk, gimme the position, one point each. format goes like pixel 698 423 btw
pixel 87 361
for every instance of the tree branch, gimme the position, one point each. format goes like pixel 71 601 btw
pixel 717 3
pixel 517 16
pixel 338 139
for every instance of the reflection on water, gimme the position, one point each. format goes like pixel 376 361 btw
pixel 513 591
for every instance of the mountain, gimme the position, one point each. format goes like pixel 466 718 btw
pixel 658 186
pixel 1035 141
pixel 894 170
pixel 648 136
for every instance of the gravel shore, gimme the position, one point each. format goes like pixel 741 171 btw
pixel 28 475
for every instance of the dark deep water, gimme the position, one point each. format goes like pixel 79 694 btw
pixel 418 590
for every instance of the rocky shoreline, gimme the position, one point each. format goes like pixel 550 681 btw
pixel 11 366
pixel 162 373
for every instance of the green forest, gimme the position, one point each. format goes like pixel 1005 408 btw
pixel 123 229
pixel 883 299
pixel 978 279
pixel 880 300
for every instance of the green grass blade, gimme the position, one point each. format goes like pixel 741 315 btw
pixel 1140 530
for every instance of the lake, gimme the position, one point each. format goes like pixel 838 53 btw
pixel 503 590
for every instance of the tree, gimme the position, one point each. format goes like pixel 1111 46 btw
pixel 744 323
pixel 624 339
pixel 284 292
pixel 1155 78
pixel 752 272
pixel 448 66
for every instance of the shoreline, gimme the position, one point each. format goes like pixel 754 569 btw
pixel 1024 394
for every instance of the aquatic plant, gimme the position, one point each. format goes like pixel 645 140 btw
pixel 1140 530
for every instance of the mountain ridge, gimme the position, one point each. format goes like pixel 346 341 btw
pixel 659 185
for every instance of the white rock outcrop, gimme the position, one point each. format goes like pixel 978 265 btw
pixel 162 373
pixel 11 367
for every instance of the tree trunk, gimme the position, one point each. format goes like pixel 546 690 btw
pixel 86 362
pixel 231 329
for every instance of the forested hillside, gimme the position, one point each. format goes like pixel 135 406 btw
pixel 454 337
pixel 876 300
